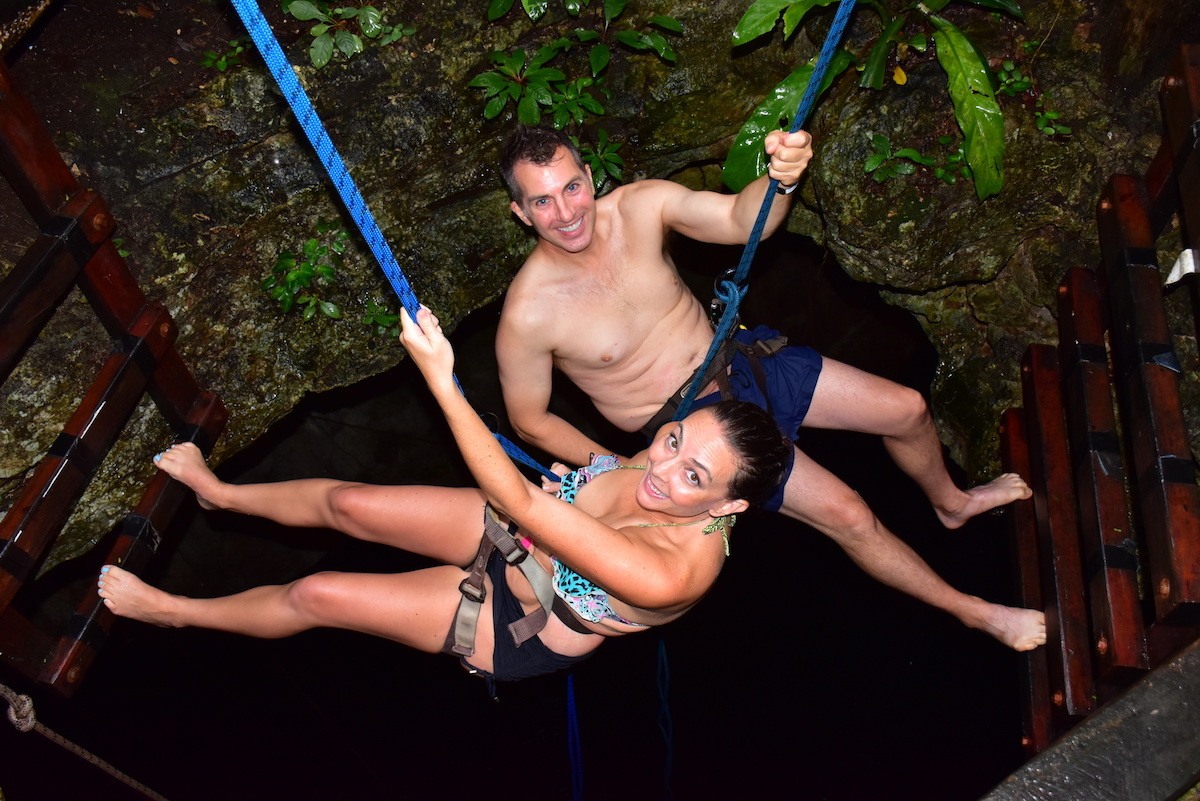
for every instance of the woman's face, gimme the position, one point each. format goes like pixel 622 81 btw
pixel 690 468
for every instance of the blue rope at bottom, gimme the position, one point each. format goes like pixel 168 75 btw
pixel 664 716
pixel 574 747
pixel 268 46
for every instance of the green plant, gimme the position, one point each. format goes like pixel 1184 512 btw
pixel 1012 82
pixel 884 163
pixel 382 319
pixel 535 87
pixel 955 165
pixel 296 277
pixel 232 57
pixel 119 244
pixel 333 32
pixel 969 81
pixel 602 158
pixel 1046 122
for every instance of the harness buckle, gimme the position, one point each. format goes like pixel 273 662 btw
pixel 471 592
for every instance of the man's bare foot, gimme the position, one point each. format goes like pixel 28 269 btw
pixel 128 596
pixel 1019 629
pixel 1003 489
pixel 184 463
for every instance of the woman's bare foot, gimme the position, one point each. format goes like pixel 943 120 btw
pixel 1003 489
pixel 128 596
pixel 1019 629
pixel 184 463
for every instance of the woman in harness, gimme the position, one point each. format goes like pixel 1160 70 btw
pixel 637 547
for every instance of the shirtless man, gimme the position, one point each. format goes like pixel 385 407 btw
pixel 600 299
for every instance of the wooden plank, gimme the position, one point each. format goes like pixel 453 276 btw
pixel 1037 728
pixel 1072 683
pixel 45 274
pixel 45 502
pixel 28 159
pixel 137 541
pixel 1146 374
pixel 1180 100
pixel 1110 548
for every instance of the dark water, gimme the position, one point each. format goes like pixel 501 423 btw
pixel 797 676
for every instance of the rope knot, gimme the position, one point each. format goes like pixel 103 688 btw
pixel 20 713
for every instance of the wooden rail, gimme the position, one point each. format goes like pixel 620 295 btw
pixel 75 249
pixel 1111 546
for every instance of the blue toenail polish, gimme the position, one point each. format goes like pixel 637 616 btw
pixel 104 569
pixel 157 457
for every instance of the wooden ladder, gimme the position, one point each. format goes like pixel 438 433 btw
pixel 1110 546
pixel 75 248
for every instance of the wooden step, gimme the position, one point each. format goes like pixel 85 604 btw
pixel 1037 726
pixel 1109 545
pixel 1146 374
pixel 1072 683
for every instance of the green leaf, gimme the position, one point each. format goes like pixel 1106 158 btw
pixel 492 81
pixel 545 75
pixel 535 8
pixel 584 35
pixel 591 104
pixel 661 46
pixel 528 111
pixel 666 23
pixel 876 66
pixel 795 13
pixel 371 21
pixel 975 106
pixel 758 20
pixel 498 8
pixel 321 50
pixel 318 29
pixel 331 310
pixel 598 57
pixel 349 43
pixel 494 107
pixel 873 162
pixel 613 9
pixel 1007 6
pixel 747 160
pixel 304 10
pixel 573 7
pixel 634 40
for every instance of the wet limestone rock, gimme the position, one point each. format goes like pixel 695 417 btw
pixel 211 180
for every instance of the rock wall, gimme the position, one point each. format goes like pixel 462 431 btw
pixel 210 180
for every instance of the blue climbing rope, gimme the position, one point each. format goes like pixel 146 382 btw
pixel 574 744
pixel 306 115
pixel 731 291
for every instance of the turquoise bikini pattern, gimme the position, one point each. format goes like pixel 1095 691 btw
pixel 587 599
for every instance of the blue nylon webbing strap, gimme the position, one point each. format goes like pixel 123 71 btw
pixel 306 115
pixel 731 291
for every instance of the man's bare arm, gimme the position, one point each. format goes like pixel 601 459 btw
pixel 526 369
pixel 729 219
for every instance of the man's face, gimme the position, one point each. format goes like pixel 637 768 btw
pixel 558 201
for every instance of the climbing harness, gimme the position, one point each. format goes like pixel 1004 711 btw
pixel 23 717
pixel 730 291
pixel 498 537
pixel 314 129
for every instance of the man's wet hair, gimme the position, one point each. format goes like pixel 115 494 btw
pixel 762 449
pixel 535 145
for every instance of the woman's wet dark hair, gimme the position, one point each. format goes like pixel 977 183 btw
pixel 762 449
pixel 535 145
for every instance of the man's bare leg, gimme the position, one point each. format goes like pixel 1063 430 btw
pixel 850 399
pixel 816 497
